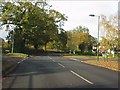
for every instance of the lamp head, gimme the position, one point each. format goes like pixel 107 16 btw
pixel 92 15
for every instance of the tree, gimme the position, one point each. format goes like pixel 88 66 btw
pixel 78 37
pixel 70 41
pixel 63 40
pixel 33 24
pixel 91 42
pixel 60 42
pixel 111 31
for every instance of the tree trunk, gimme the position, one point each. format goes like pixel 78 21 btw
pixel 45 46
pixel 36 46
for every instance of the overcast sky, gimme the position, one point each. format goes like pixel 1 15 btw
pixel 78 13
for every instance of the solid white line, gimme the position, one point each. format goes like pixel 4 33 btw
pixel 61 65
pixel 81 77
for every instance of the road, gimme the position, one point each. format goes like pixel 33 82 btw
pixel 59 72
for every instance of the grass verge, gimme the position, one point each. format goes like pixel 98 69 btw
pixel 112 65
pixel 16 54
pixel 81 56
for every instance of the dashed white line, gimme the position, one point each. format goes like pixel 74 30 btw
pixel 81 77
pixel 49 57
pixel 81 61
pixel 61 65
pixel 74 59
pixel 58 63
pixel 21 60
pixel 53 60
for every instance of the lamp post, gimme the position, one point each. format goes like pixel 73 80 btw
pixel 92 15
pixel 11 17
pixel 12 42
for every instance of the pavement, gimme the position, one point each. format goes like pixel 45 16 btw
pixel 53 71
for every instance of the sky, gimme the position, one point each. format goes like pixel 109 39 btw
pixel 78 13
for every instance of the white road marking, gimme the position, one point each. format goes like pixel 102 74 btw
pixel 49 57
pixel 81 77
pixel 74 59
pixel 53 60
pixel 22 60
pixel 81 61
pixel 61 65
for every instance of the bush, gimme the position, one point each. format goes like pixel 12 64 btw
pixel 78 52
pixel 16 54
pixel 89 53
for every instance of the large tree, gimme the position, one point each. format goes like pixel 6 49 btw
pixel 34 24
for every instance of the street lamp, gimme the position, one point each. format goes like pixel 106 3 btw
pixel 92 15
pixel 11 19
pixel 13 42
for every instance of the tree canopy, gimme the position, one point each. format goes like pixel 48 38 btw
pixel 79 38
pixel 32 23
pixel 111 38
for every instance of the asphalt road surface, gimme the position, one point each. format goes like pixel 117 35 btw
pixel 59 72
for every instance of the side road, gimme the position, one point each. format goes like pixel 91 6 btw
pixel 9 63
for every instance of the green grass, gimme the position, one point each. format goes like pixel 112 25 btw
pixel 17 54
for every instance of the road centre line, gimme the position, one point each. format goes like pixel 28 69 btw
pixel 49 57
pixel 53 60
pixel 81 77
pixel 61 65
